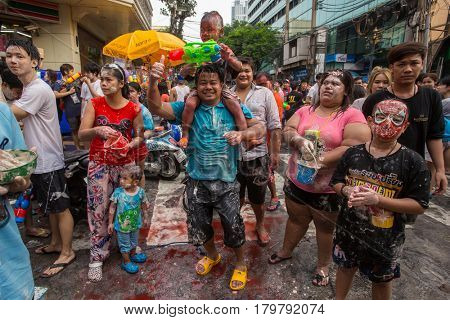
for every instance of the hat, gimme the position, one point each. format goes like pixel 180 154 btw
pixel 180 77
pixel 286 80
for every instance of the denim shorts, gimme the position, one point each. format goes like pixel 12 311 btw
pixel 127 241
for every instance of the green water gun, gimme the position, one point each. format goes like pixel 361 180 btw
pixel 197 52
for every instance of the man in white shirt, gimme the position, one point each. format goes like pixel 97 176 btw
pixel 255 164
pixel 91 87
pixel 37 109
pixel 180 91
pixel 313 93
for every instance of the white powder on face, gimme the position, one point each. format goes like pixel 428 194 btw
pixel 113 89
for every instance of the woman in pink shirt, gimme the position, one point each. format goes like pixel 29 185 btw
pixel 337 127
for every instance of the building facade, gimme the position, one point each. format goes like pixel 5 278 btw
pixel 72 31
pixel 239 10
pixel 439 49
pixel 349 34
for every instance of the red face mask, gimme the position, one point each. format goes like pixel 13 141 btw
pixel 389 119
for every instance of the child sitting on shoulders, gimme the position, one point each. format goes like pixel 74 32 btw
pixel 211 28
pixel 127 202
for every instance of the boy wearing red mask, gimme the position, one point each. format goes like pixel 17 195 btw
pixel 382 182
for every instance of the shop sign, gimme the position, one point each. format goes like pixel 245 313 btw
pixel 300 74
pixel 340 57
pixel 33 9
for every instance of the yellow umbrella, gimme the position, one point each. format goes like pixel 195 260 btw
pixel 148 45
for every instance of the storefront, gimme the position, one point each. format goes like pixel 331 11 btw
pixel 90 47
pixel 72 31
pixel 18 18
pixel 367 38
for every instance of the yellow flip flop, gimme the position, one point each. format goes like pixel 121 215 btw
pixel 207 264
pixel 241 276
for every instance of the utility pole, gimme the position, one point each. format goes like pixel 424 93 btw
pixel 423 26
pixel 426 35
pixel 286 24
pixel 312 40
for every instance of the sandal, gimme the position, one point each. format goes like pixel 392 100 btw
pixel 240 276
pixel 207 264
pixel 42 250
pixel 319 279
pixel 139 257
pixel 275 258
pixel 274 205
pixel 95 271
pixel 61 265
pixel 130 267
pixel 41 233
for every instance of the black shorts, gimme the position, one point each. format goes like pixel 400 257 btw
pixel 74 123
pixel 50 191
pixel 254 176
pixel 370 264
pixel 375 251
pixel 201 198
pixel 327 202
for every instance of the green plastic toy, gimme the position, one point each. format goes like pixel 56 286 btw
pixel 197 52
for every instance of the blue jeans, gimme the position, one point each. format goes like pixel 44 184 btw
pixel 127 241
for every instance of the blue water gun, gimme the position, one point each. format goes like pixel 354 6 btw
pixel 21 205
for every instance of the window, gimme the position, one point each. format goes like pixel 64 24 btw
pixel 293 48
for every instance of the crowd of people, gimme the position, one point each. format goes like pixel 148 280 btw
pixel 357 167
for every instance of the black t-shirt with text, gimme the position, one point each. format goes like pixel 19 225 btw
pixel 426 121
pixel 403 174
pixel 295 101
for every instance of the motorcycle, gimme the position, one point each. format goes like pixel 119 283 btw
pixel 165 159
pixel 76 166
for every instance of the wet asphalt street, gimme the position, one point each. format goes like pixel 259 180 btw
pixel 169 272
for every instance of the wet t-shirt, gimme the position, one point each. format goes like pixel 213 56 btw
pixel 120 120
pixel 402 174
pixel 210 157
pixel 331 134
pixel 128 212
pixel 426 121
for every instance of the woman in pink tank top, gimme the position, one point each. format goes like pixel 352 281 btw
pixel 331 128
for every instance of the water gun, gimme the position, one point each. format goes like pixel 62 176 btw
pixel 197 52
pixel 21 206
pixel 286 106
pixel 72 81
